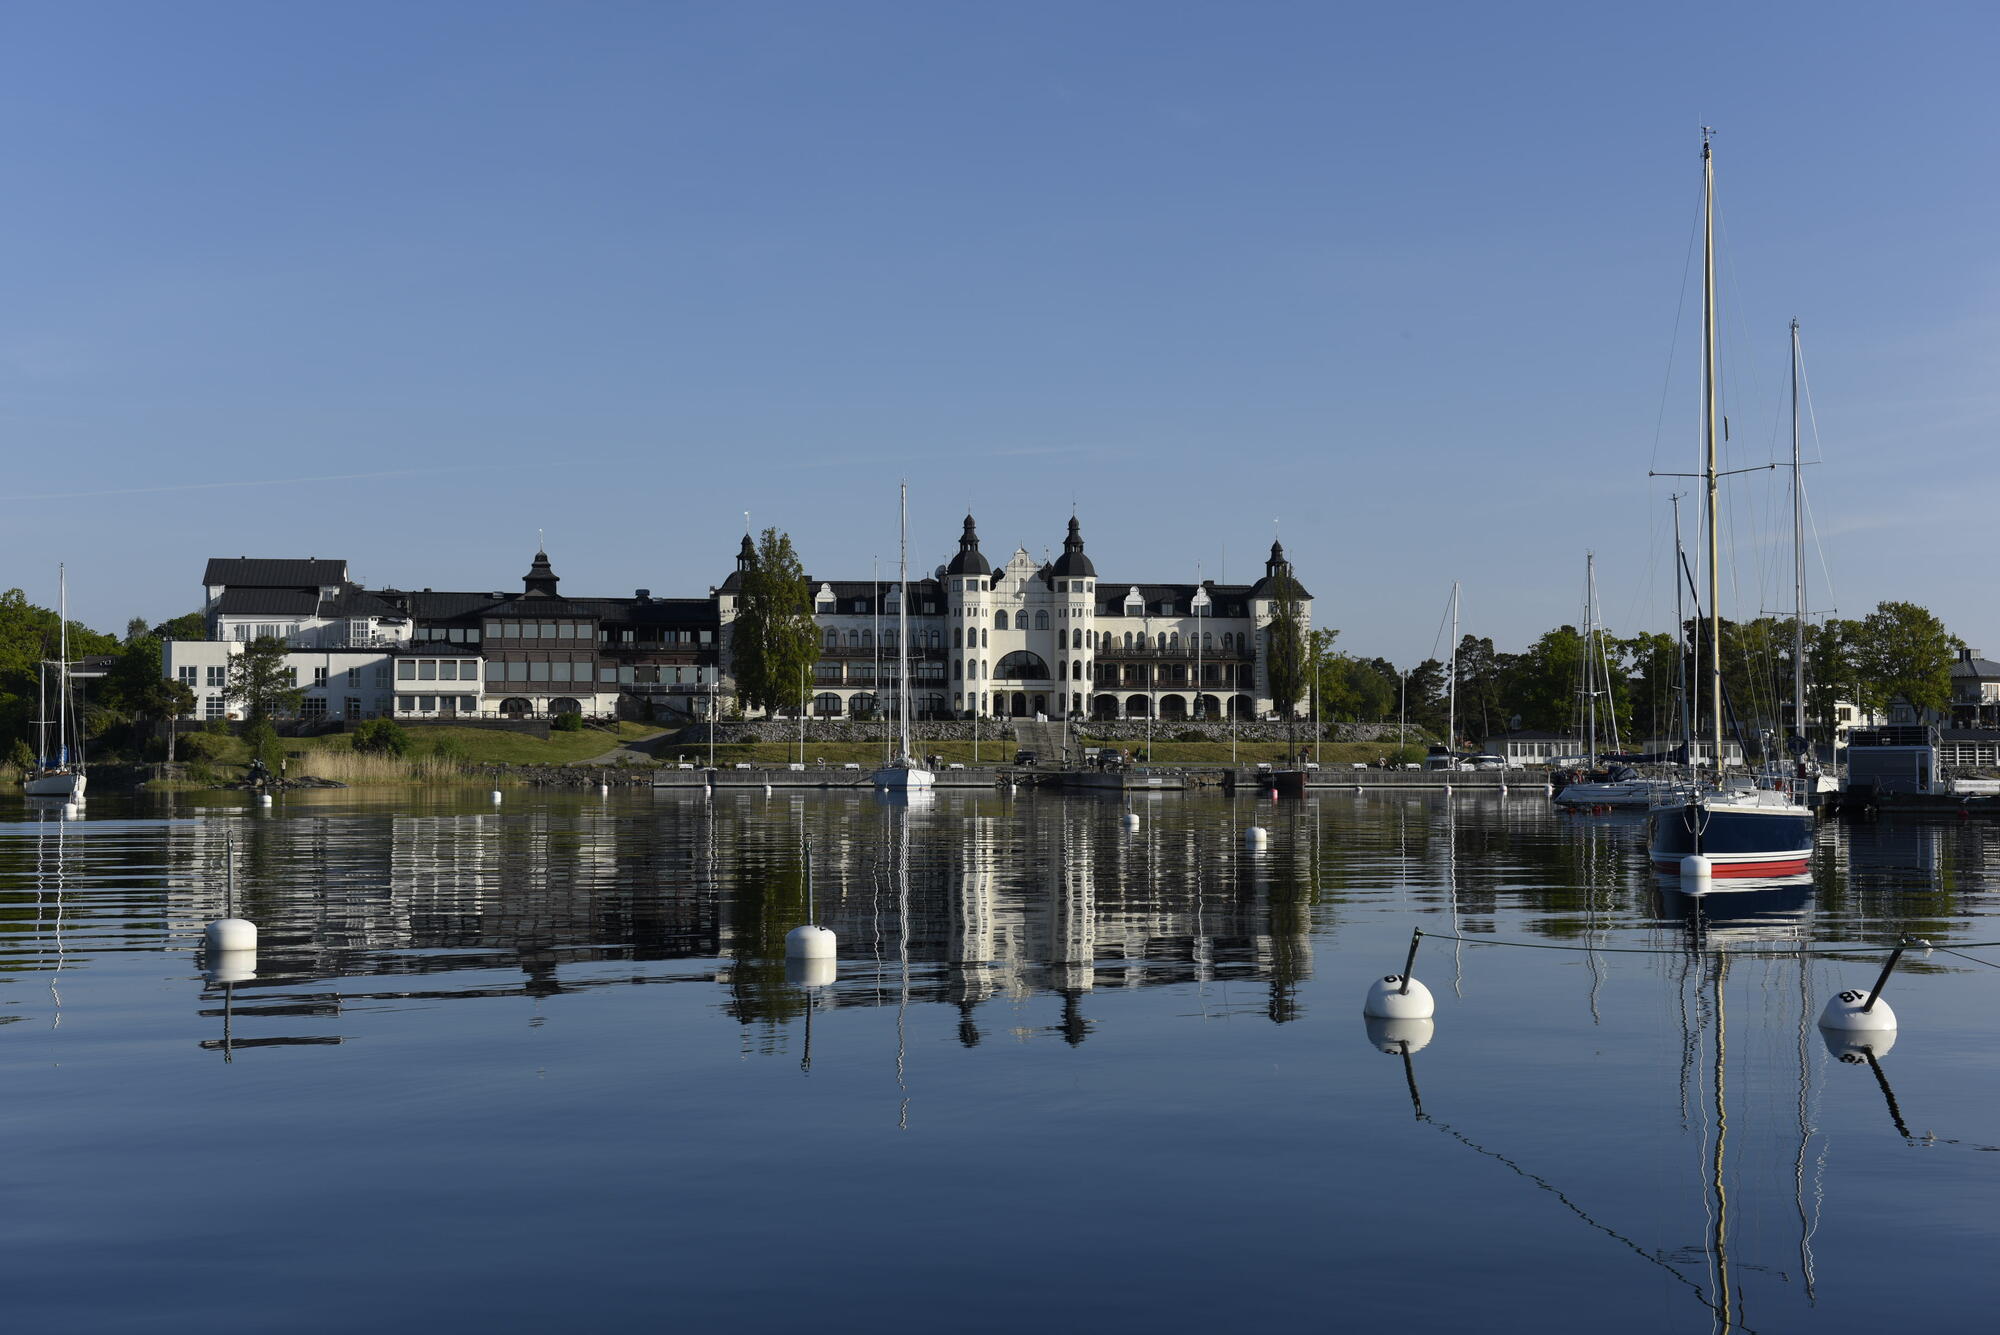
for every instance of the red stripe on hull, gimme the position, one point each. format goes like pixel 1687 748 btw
pixel 1718 868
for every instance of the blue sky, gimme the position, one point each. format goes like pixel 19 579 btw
pixel 1404 278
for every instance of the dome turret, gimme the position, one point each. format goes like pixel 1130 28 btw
pixel 970 560
pixel 1073 563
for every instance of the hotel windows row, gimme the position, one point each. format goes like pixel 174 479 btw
pixel 437 669
pixel 562 669
pixel 431 704
pixel 539 630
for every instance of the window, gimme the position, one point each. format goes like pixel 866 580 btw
pixel 538 672
pixel 351 706
pixel 495 670
pixel 427 669
pixel 517 671
pixel 833 639
pixel 999 621
pixel 958 669
pixel 1076 639
pixel 353 677
pixel 854 639
pixel 218 674
pixel 1041 620
pixel 427 703
pixel 468 669
pixel 467 704
pixel 406 669
pixel 448 670
pixel 319 679
pixel 381 674
pixel 607 673
pixel 213 707
pixel 493 630
pixel 269 630
pixel 957 638
pixel 187 676
pixel 982 637
pixel 313 706
pixel 559 670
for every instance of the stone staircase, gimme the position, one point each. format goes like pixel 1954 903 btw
pixel 1050 741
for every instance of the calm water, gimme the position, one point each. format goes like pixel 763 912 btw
pixel 541 1067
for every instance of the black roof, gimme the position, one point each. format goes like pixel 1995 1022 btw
pixel 1111 597
pixel 274 572
pixel 1073 562
pixel 970 560
pixel 255 602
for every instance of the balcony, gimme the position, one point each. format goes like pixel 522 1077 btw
pixel 1182 653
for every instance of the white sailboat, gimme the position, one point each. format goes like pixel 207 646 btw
pixel 1734 827
pixel 58 768
pixel 1619 784
pixel 902 773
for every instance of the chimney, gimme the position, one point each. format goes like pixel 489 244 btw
pixel 643 595
pixel 1967 655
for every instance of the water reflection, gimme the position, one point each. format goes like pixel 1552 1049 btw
pixel 1028 983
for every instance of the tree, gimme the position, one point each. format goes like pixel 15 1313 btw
pixel 1425 697
pixel 137 688
pixel 135 628
pixel 260 681
pixel 383 736
pixel 775 641
pixel 1541 683
pixel 1903 652
pixel 1285 643
pixel 187 626
pixel 30 635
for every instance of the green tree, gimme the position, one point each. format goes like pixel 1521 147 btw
pixel 1903 652
pixel 260 681
pixel 1285 643
pixel 262 739
pixel 774 642
pixel 1541 683
pixel 29 636
pixel 187 626
pixel 136 687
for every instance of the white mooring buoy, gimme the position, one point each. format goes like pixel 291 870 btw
pixel 263 799
pixel 810 943
pixel 230 934
pixel 1695 867
pixel 1398 996
pixel 1131 820
pixel 604 790
pixel 71 811
pixel 1858 1012
pixel 1255 836
pixel 496 795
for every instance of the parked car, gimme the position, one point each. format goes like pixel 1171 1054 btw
pixel 1026 758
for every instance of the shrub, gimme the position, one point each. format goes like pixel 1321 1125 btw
pixel 262 739
pixel 1409 755
pixel 218 727
pixel 204 746
pixel 382 736
pixel 1190 735
pixel 568 723
pixel 450 749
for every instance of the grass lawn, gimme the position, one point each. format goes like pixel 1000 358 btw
pixel 472 746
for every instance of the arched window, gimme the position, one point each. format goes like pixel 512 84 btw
pixel 1023 666
pixel 957 638
pixel 1174 639
pixel 934 638
pixel 1161 640
pixel 1128 639
pixel 1041 620
pixel 1076 670
pixel 826 705
pixel 1208 639
pixel 888 639
pixel 867 639
pixel 982 637
pixel 833 639
pixel 1076 639
pixel 958 669
pixel 854 639
pixel 999 621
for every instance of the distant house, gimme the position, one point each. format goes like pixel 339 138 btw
pixel 1531 746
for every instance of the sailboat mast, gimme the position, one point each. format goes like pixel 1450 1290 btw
pixel 1590 654
pixel 903 620
pixel 1451 706
pixel 1680 644
pixel 1798 558
pixel 62 668
pixel 1710 428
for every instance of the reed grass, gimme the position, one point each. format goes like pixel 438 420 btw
pixel 359 769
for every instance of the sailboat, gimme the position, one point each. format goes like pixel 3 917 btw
pixel 902 773
pixel 58 770
pixel 1732 826
pixel 1618 784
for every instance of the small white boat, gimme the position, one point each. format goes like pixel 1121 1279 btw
pixel 58 770
pixel 1638 794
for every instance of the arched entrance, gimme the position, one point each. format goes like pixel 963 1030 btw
pixel 1243 708
pixel 565 704
pixel 1173 707
pixel 826 705
pixel 1136 707
pixel 1207 707
pixel 1104 706
pixel 515 707
pixel 1041 704
pixel 1018 705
